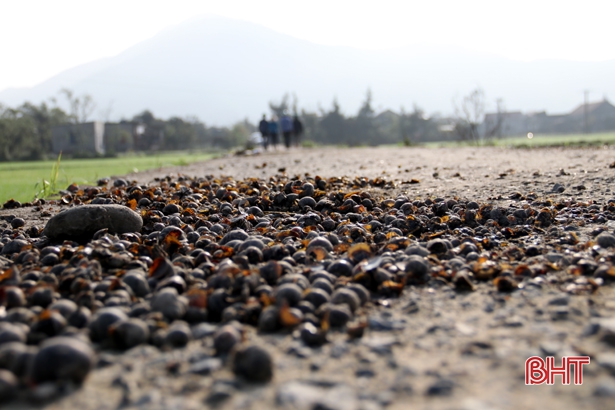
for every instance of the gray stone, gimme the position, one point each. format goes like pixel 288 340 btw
pixel 339 315
pixel 66 307
pixel 178 335
pixel 137 280
pixel 513 321
pixel 203 330
pixel 102 320
pixel 169 303
pixel 148 399
pixel 9 354
pixel 605 240
pixel 62 359
pixel 309 395
pixel 219 393
pixel 554 257
pixel 346 296
pixel 550 348
pixel 253 363
pixel 607 362
pixel 381 344
pixel 225 338
pixel 607 331
pixel 129 333
pixel 382 322
pixel 297 350
pixel 416 265
pixel 560 300
pixel 8 385
pixel 592 328
pixel 415 249
pixel 339 349
pixel 85 220
pixel 11 333
pixel 127 387
pixel 319 242
pixel 44 392
pixel 441 387
pixel 560 313
pixel 14 246
pixel 206 366
pixel 605 388
pixel 365 372
pixel 297 394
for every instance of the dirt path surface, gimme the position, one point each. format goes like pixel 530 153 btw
pixel 486 172
pixel 435 346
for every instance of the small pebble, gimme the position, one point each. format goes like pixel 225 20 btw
pixel 102 320
pixel 605 388
pixel 18 223
pixel 226 338
pixel 8 385
pixel 253 363
pixel 62 359
pixel 129 333
pixel 441 387
pixel 206 366
pixel 178 335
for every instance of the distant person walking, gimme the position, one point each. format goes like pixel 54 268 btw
pixel 273 132
pixel 297 130
pixel 287 129
pixel 263 128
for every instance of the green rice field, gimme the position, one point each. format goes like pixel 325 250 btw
pixel 22 181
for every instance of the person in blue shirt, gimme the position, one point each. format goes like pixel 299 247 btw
pixel 287 129
pixel 273 132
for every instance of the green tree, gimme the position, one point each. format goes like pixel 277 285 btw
pixel 239 133
pixel 45 118
pixel 18 136
pixel 334 126
pixel 179 134
pixel 146 117
pixel 153 134
pixel 364 130
pixel 80 107
pixel 279 109
pixel 312 130
pixel 469 116
pixel 416 127
pixel 25 132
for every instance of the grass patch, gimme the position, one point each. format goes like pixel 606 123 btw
pixel 570 140
pixel 22 180
pixel 539 140
pixel 49 188
pixel 309 144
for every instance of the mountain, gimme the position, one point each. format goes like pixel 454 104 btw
pixel 223 70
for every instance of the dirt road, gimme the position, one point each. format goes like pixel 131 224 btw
pixel 433 347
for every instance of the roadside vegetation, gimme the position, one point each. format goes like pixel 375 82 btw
pixel 28 169
pixel 537 141
pixel 24 180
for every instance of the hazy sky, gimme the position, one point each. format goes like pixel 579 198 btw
pixel 39 39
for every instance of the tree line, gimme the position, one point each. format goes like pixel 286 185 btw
pixel 332 126
pixel 188 133
pixel 25 131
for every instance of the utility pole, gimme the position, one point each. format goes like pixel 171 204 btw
pixel 585 113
